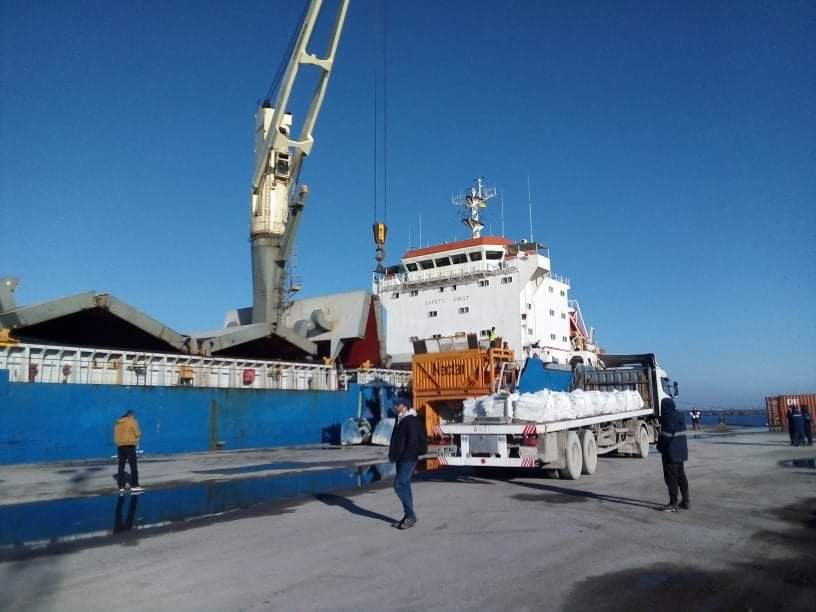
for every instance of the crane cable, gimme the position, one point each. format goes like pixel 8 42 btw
pixel 380 227
pixel 276 80
pixel 385 112
pixel 375 150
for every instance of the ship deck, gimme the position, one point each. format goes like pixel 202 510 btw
pixel 484 541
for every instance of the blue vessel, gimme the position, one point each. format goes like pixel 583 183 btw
pixel 57 422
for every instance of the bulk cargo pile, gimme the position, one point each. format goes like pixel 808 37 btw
pixel 546 406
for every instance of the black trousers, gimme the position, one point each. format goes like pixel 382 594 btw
pixel 675 476
pixel 127 453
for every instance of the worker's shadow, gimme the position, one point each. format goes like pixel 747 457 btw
pixel 584 495
pixel 336 500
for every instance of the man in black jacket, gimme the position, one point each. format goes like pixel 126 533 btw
pixel 674 451
pixel 406 447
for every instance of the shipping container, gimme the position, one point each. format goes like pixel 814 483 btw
pixel 778 405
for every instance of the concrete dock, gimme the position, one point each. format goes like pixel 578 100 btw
pixel 309 529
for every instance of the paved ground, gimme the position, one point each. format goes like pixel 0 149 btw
pixel 482 543
pixel 49 481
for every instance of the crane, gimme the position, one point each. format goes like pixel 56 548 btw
pixel 277 197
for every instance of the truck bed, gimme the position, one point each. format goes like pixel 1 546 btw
pixel 530 428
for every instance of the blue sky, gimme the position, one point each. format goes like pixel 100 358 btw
pixel 670 149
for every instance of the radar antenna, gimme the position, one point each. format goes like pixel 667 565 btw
pixel 470 204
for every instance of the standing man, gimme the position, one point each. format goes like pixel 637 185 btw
pixel 407 442
pixel 695 419
pixel 126 434
pixel 790 424
pixel 674 451
pixel 797 427
pixel 806 420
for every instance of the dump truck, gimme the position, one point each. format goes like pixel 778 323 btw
pixel 572 445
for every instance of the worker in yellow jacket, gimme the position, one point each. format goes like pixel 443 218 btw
pixel 126 434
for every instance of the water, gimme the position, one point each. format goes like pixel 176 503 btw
pixel 744 420
pixel 41 525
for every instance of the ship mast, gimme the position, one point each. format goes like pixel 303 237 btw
pixel 471 202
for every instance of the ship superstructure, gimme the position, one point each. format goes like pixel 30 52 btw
pixel 474 285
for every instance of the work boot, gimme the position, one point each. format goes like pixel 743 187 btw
pixel 398 524
pixel 669 508
pixel 685 505
pixel 408 522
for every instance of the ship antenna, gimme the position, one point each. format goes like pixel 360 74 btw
pixel 502 212
pixel 471 202
pixel 530 206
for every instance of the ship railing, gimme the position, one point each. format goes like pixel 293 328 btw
pixel 397 378
pixel 560 279
pixel 36 363
pixel 407 279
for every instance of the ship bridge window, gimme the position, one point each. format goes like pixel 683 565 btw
pixel 393 269
pixel 442 262
pixel 494 254
pixel 412 267
pixel 506 280
pixel 475 256
pixel 426 264
pixel 459 259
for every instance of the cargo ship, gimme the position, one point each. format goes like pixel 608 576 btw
pixel 503 290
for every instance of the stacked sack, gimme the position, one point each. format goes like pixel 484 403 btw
pixel 487 406
pixel 546 406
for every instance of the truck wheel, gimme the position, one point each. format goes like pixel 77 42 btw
pixel 642 443
pixel 572 458
pixel 589 452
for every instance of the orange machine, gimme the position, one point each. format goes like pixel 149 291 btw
pixel 441 381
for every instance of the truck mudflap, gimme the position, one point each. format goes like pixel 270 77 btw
pixel 523 462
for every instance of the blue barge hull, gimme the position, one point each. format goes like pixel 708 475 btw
pixel 57 422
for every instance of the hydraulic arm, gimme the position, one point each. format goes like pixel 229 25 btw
pixel 277 197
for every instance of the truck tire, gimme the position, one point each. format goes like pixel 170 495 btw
pixel 589 452
pixel 573 459
pixel 642 443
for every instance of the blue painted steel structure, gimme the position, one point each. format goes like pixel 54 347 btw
pixel 537 376
pixel 57 422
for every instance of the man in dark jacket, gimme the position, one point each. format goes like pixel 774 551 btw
pixel 806 421
pixel 674 451
pixel 406 447
pixel 797 427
